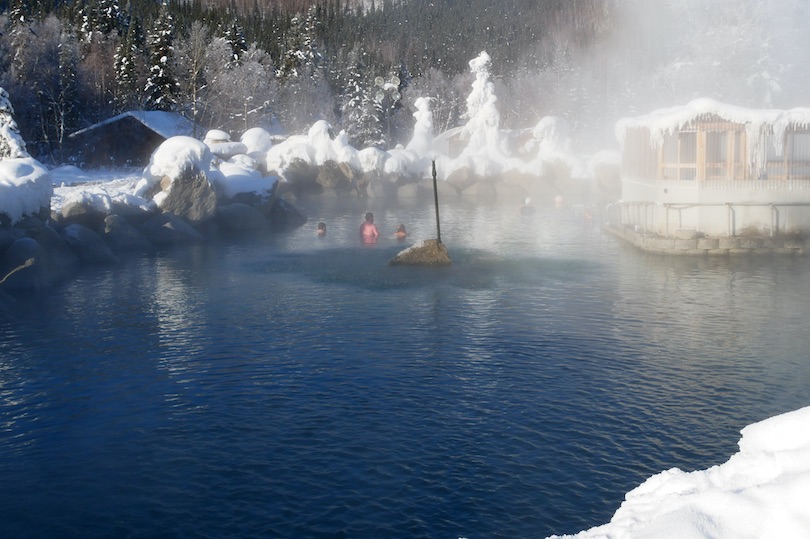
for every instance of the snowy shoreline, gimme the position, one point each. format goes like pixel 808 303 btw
pixel 760 492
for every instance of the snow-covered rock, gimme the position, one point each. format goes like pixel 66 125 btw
pixel 25 188
pixel 172 157
pixel 237 177
pixel 256 139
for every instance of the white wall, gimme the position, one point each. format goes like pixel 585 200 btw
pixel 717 208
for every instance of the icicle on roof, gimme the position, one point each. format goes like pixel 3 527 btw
pixel 761 125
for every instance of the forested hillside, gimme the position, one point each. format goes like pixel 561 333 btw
pixel 360 64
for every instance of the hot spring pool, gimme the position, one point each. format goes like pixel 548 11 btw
pixel 296 386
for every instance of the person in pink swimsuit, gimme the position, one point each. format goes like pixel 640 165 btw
pixel 368 230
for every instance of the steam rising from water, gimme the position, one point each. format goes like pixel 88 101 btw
pixel 660 54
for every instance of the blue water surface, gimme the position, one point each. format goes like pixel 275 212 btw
pixel 296 386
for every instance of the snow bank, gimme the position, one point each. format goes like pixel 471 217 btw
pixel 25 187
pixel 761 491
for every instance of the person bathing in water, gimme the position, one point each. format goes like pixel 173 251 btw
pixel 368 230
pixel 400 233
pixel 321 229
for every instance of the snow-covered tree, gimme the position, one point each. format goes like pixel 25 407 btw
pixel 192 52
pixel 447 94
pixel 422 139
pixel 11 143
pixel 354 107
pixel 107 15
pixel 161 86
pixel 483 118
pixel 43 81
pixel 371 127
pixel 235 38
pixel 19 34
pixel 302 57
pixel 126 71
pixel 64 98
pixel 240 96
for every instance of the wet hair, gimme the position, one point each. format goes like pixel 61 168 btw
pixel 401 228
pixel 369 217
pixel 321 226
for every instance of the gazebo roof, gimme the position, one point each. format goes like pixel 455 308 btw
pixel 669 120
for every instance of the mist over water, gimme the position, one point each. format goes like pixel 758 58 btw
pixel 298 386
pixel 650 55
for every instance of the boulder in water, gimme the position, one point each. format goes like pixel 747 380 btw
pixel 188 196
pixel 426 253
pixel 169 229
pixel 122 236
pixel 88 245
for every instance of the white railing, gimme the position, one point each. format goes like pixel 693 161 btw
pixel 664 218
pixel 772 185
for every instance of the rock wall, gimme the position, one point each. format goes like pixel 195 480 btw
pixel 41 250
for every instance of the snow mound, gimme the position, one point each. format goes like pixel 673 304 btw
pixel 25 187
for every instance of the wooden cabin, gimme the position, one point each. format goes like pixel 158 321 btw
pixel 128 139
pixel 717 170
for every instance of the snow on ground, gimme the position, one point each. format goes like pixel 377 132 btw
pixel 71 183
pixel 763 491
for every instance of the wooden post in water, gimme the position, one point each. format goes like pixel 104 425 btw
pixel 429 252
pixel 436 201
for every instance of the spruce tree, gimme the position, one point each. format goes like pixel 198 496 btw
pixel 354 99
pixel 371 125
pixel 64 105
pixel 161 86
pixel 11 143
pixel 106 15
pixel 235 38
pixel 126 75
pixel 302 57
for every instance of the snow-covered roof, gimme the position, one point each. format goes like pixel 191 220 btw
pixel 668 120
pixel 165 124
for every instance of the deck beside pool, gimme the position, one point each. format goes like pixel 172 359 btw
pixel 689 243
